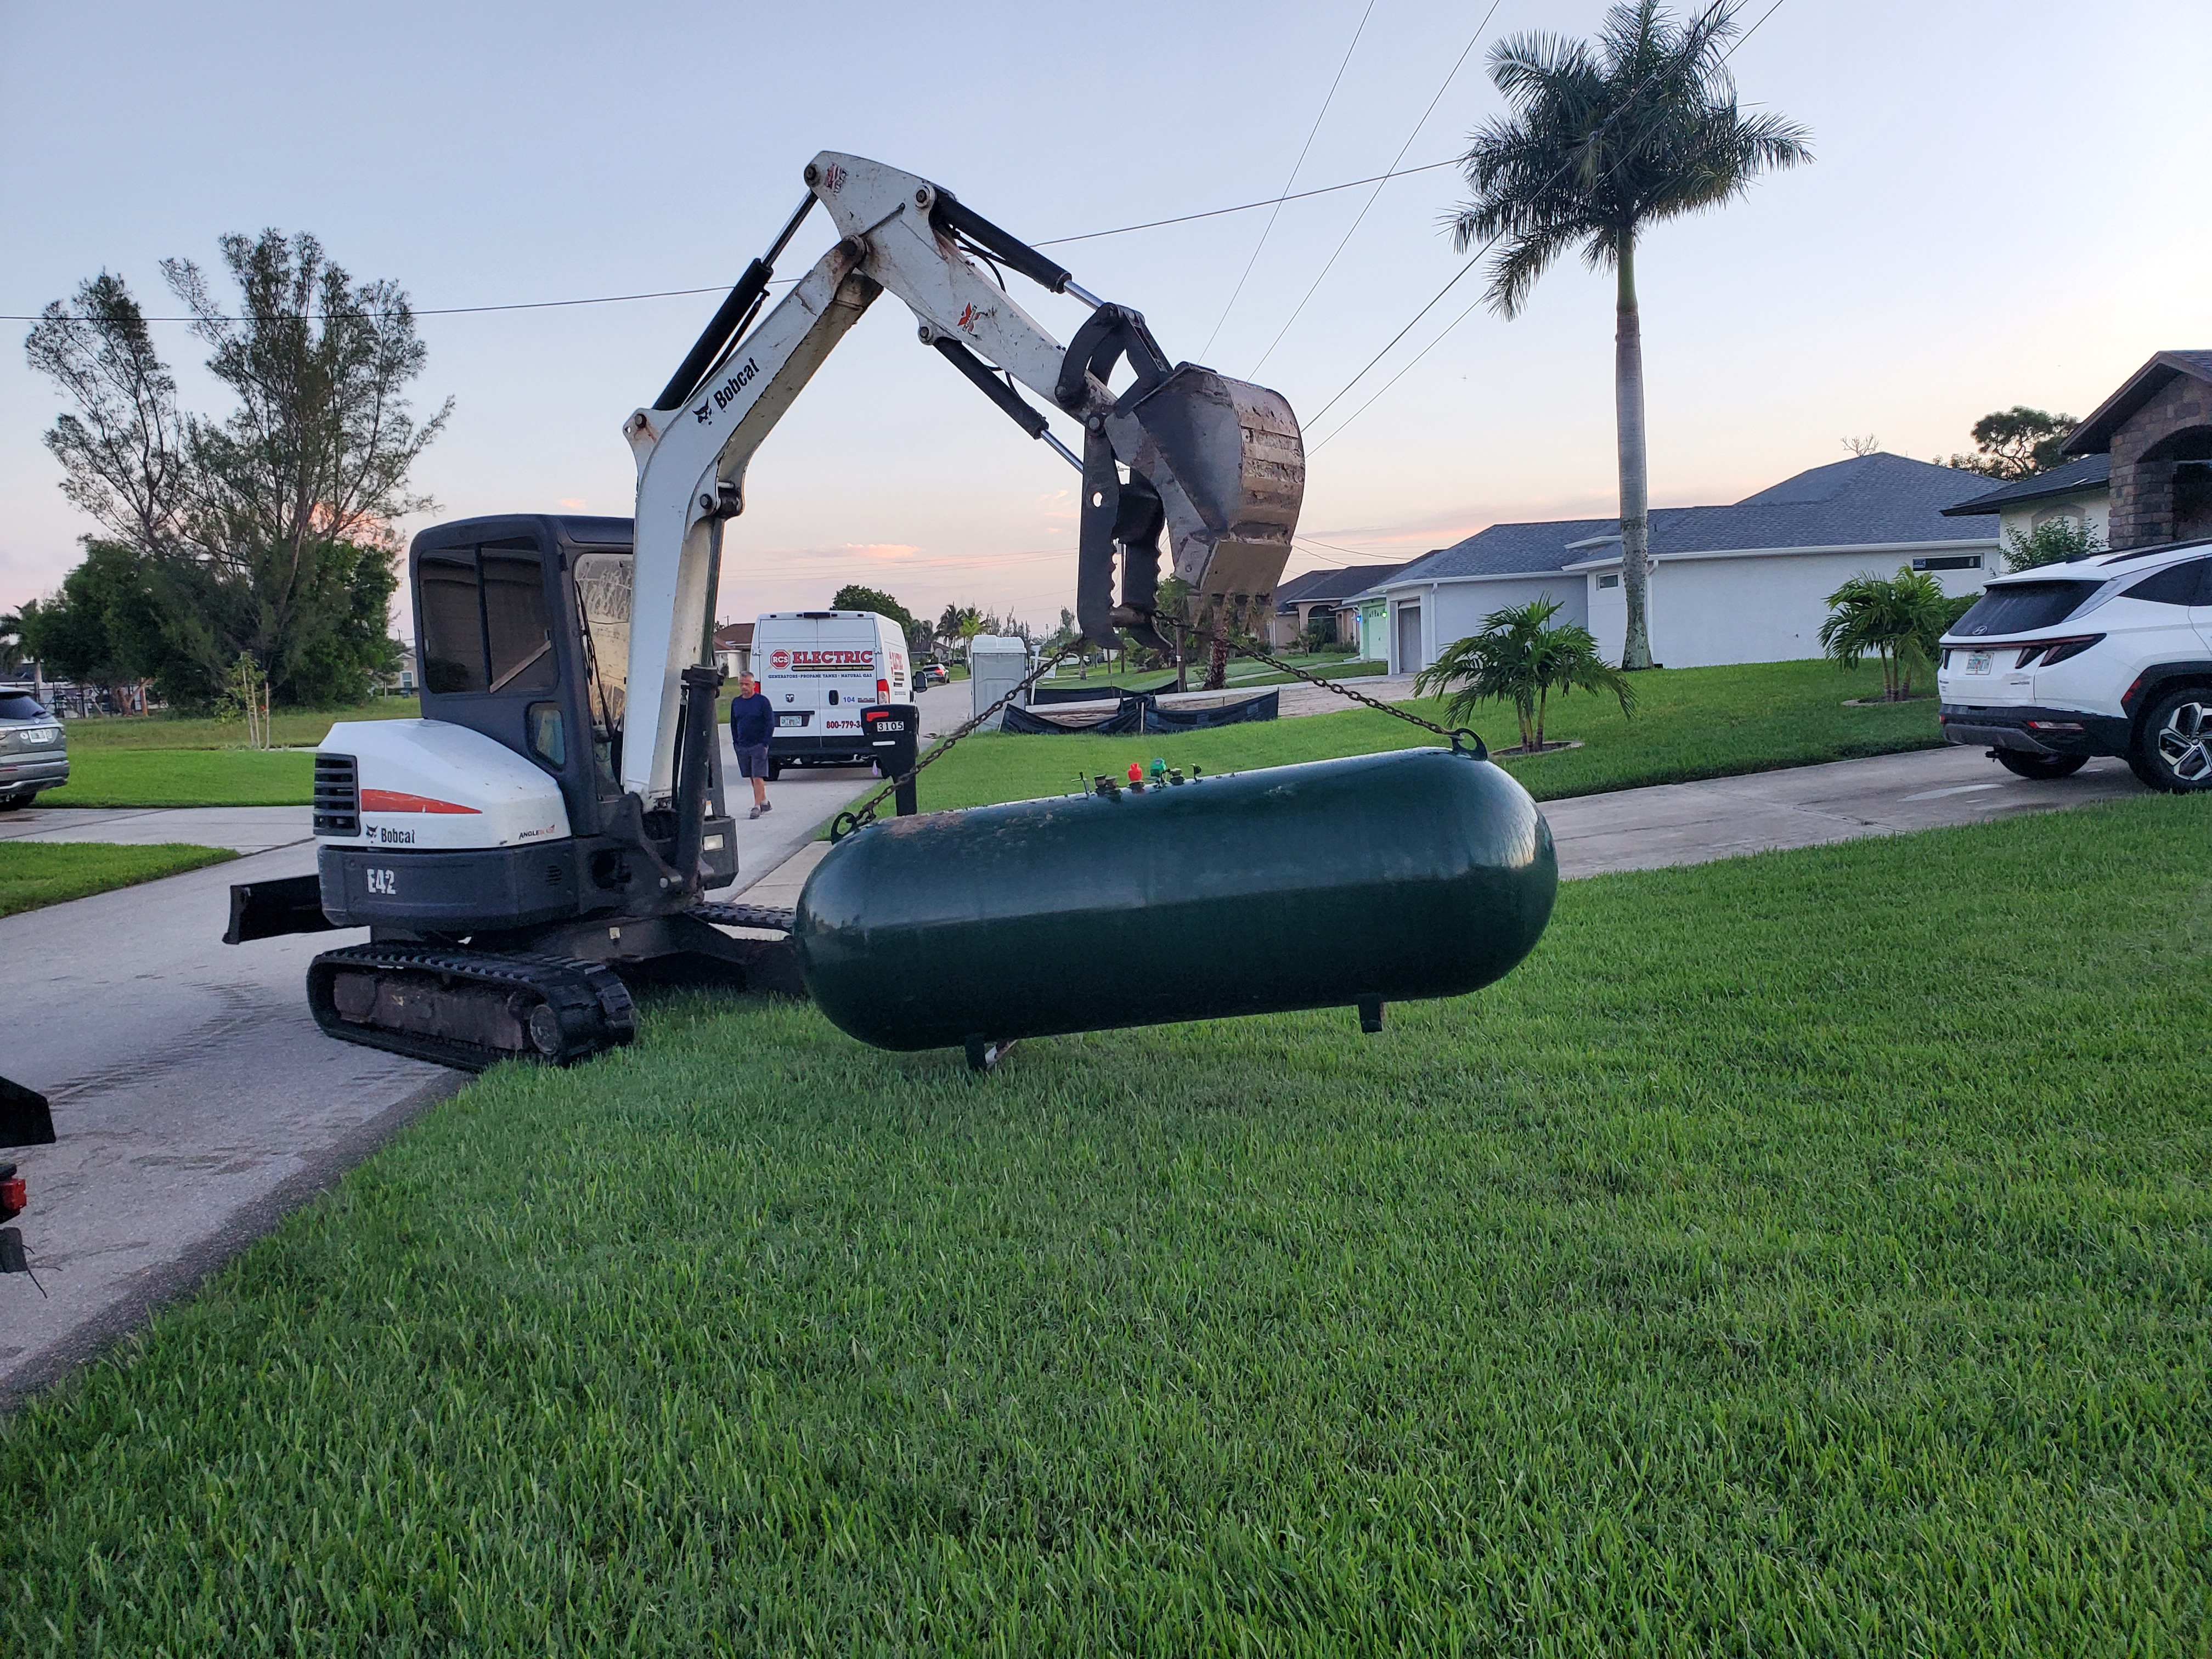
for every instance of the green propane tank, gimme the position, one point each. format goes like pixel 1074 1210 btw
pixel 1424 873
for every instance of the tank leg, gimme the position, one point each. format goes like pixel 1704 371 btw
pixel 1370 1015
pixel 984 1055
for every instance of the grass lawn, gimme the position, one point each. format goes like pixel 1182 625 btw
pixel 295 728
pixel 1689 723
pixel 32 874
pixel 185 777
pixel 1807 1253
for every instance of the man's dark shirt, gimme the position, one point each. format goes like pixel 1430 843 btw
pixel 751 720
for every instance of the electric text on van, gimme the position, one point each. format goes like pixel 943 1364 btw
pixel 819 668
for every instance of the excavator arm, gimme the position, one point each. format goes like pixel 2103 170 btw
pixel 1216 464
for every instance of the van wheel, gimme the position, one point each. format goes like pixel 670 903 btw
pixel 2040 766
pixel 775 770
pixel 2172 749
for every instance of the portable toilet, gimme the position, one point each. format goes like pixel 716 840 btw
pixel 996 665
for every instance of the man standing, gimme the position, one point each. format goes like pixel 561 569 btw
pixel 752 720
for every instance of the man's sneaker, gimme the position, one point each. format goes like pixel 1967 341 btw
pixel 757 812
pixel 768 806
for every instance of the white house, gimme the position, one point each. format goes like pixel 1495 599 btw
pixel 1743 583
pixel 2079 491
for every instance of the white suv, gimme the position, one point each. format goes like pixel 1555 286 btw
pixel 2110 654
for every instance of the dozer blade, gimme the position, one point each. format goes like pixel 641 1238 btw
pixel 1230 465
pixel 469 1009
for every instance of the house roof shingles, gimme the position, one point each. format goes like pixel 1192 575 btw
pixel 1316 586
pixel 1871 500
pixel 2094 435
pixel 2086 473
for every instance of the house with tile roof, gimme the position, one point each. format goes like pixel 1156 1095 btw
pixel 1745 582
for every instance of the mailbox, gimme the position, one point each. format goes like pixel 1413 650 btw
pixel 893 730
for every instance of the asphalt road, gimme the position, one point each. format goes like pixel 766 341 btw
pixel 196 1103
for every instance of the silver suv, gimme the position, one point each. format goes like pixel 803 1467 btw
pixel 33 752
pixel 2110 654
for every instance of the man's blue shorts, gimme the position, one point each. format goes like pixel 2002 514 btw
pixel 753 762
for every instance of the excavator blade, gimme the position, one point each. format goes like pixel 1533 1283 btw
pixel 1230 465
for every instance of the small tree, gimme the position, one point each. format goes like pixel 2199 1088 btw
pixel 2016 443
pixel 1898 619
pixel 1520 657
pixel 2052 542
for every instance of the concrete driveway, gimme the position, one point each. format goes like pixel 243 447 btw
pixel 1809 806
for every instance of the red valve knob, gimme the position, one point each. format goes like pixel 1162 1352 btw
pixel 1136 772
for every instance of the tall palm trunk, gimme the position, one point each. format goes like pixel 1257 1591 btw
pixel 1635 483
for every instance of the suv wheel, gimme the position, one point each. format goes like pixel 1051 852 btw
pixel 22 798
pixel 2046 767
pixel 2173 745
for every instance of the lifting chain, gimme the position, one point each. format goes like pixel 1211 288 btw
pixel 855 818
pixel 1458 735
pixel 1453 734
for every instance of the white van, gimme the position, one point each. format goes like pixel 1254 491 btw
pixel 819 668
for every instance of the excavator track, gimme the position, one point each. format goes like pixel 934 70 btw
pixel 469 1009
pixel 764 916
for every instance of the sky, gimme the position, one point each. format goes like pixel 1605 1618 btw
pixel 2003 210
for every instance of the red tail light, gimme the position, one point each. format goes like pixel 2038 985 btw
pixel 883 691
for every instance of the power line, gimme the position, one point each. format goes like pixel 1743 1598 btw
pixel 1247 207
pixel 1293 179
pixel 1377 196
pixel 723 287
pixel 1474 257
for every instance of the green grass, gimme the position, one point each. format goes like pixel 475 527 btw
pixel 184 777
pixel 1803 1253
pixel 32 874
pixel 293 728
pixel 1689 723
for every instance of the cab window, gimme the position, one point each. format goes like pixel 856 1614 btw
pixel 484 621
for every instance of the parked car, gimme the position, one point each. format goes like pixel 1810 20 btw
pixel 2109 655
pixel 33 749
pixel 936 673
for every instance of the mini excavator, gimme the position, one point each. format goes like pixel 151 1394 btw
pixel 552 825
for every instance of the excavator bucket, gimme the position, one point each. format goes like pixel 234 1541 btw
pixel 1230 465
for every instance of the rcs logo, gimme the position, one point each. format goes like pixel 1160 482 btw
pixel 779 659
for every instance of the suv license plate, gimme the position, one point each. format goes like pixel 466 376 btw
pixel 1978 663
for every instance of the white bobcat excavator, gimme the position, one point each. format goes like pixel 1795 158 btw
pixel 557 814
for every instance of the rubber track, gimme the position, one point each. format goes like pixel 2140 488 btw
pixel 592 1004
pixel 746 915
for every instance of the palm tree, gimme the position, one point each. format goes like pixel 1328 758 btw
pixel 968 623
pixel 1520 658
pixel 1604 138
pixel 1898 619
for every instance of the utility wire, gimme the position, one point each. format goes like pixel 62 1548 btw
pixel 1371 200
pixel 785 281
pixel 1477 255
pixel 1310 134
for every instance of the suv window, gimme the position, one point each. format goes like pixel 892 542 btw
pixel 20 706
pixel 2020 607
pixel 2186 583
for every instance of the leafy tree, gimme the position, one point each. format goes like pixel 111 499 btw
pixel 1605 138
pixel 2052 542
pixel 2016 443
pixel 1899 619
pixel 267 532
pixel 854 597
pixel 121 450
pixel 1522 657
pixel 104 627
